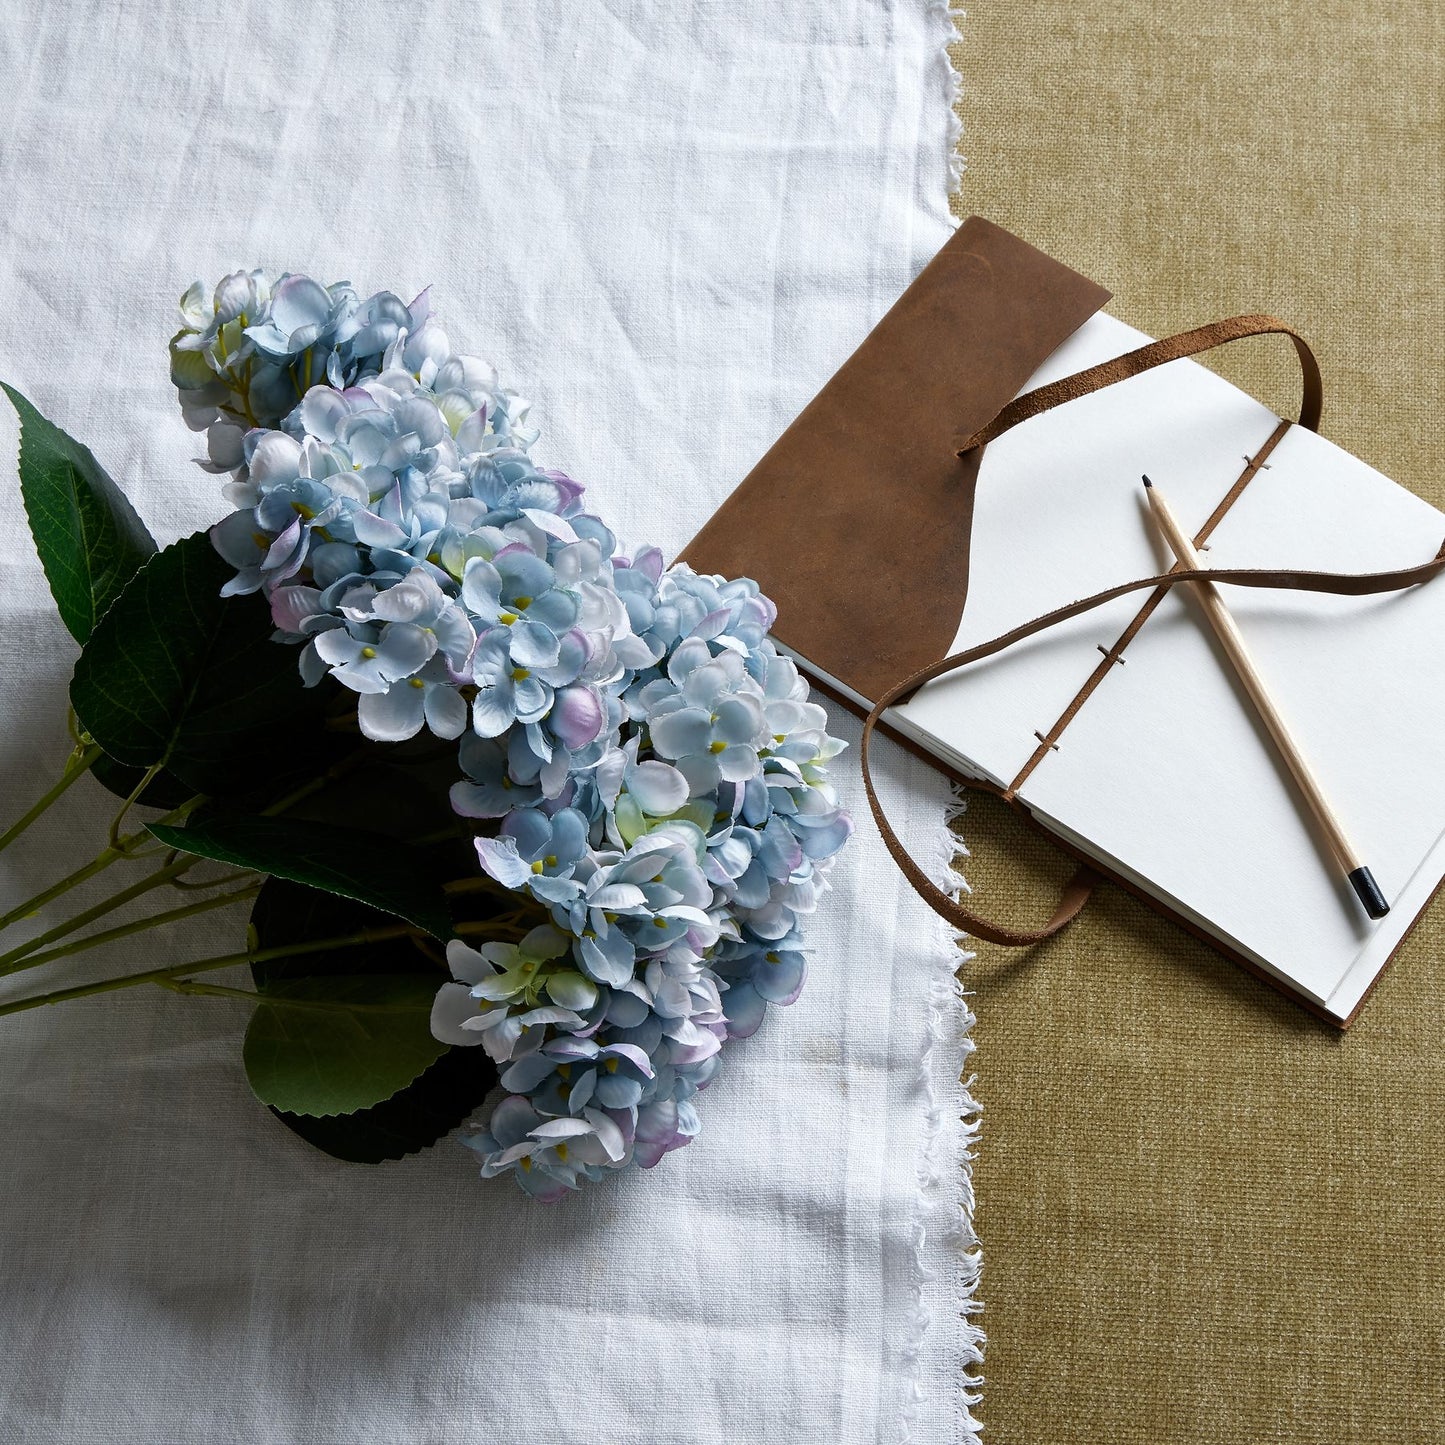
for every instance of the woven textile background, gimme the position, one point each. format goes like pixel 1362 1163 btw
pixel 1205 1216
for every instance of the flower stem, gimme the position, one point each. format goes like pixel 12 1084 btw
pixel 215 990
pixel 228 960
pixel 9 960
pixel 481 883
pixel 111 853
pixel 98 864
pixel 235 877
pixel 202 965
pixel 147 778
pixel 24 957
pixel 335 771
pixel 128 846
pixel 77 765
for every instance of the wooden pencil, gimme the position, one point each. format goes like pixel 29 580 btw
pixel 1359 876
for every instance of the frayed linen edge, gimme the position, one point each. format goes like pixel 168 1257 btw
pixel 945 16
pixel 945 1292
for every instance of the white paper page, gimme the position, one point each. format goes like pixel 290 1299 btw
pixel 1057 518
pixel 1167 770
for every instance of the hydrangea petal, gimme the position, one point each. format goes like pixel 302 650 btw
pixel 681 733
pixel 657 788
pixel 500 859
pixel 780 976
pixel 446 711
pixel 394 715
pixel 452 1005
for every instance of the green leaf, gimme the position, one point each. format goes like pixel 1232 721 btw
pixel 367 867
pixel 322 1046
pixel 286 913
pixel 90 541
pixel 175 673
pixel 447 1092
pixel 441 1098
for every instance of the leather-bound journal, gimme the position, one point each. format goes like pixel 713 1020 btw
pixel 979 573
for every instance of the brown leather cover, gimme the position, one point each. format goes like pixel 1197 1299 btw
pixel 857 521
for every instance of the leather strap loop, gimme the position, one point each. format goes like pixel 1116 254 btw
pixel 1157 353
pixel 1343 584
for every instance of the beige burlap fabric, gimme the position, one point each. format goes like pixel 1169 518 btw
pixel 1207 1217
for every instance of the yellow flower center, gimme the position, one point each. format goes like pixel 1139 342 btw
pixel 368 653
pixel 537 866
pixel 506 618
pixel 611 1066
pixel 416 682
pixel 521 603
pixel 520 674
pixel 717 747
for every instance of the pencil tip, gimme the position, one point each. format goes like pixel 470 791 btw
pixel 1147 482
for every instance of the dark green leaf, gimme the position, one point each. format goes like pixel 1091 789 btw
pixel 163 790
pixel 90 541
pixel 368 867
pixel 380 795
pixel 440 1098
pixel 286 913
pixel 175 673
pixel 334 1045
pixel 435 1103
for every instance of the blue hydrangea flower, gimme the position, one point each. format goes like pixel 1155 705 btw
pixel 684 910
pixel 502 990
pixel 248 353
pixel 494 784
pixel 757 976
pixel 549 1156
pixel 517 591
pixel 646 772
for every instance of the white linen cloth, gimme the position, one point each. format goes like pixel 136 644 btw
pixel 667 223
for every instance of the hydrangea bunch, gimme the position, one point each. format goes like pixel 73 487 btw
pixel 247 354
pixel 646 772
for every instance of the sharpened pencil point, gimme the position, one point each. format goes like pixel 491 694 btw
pixel 1147 482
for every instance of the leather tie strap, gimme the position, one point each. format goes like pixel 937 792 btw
pixel 1158 353
pixel 1341 584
